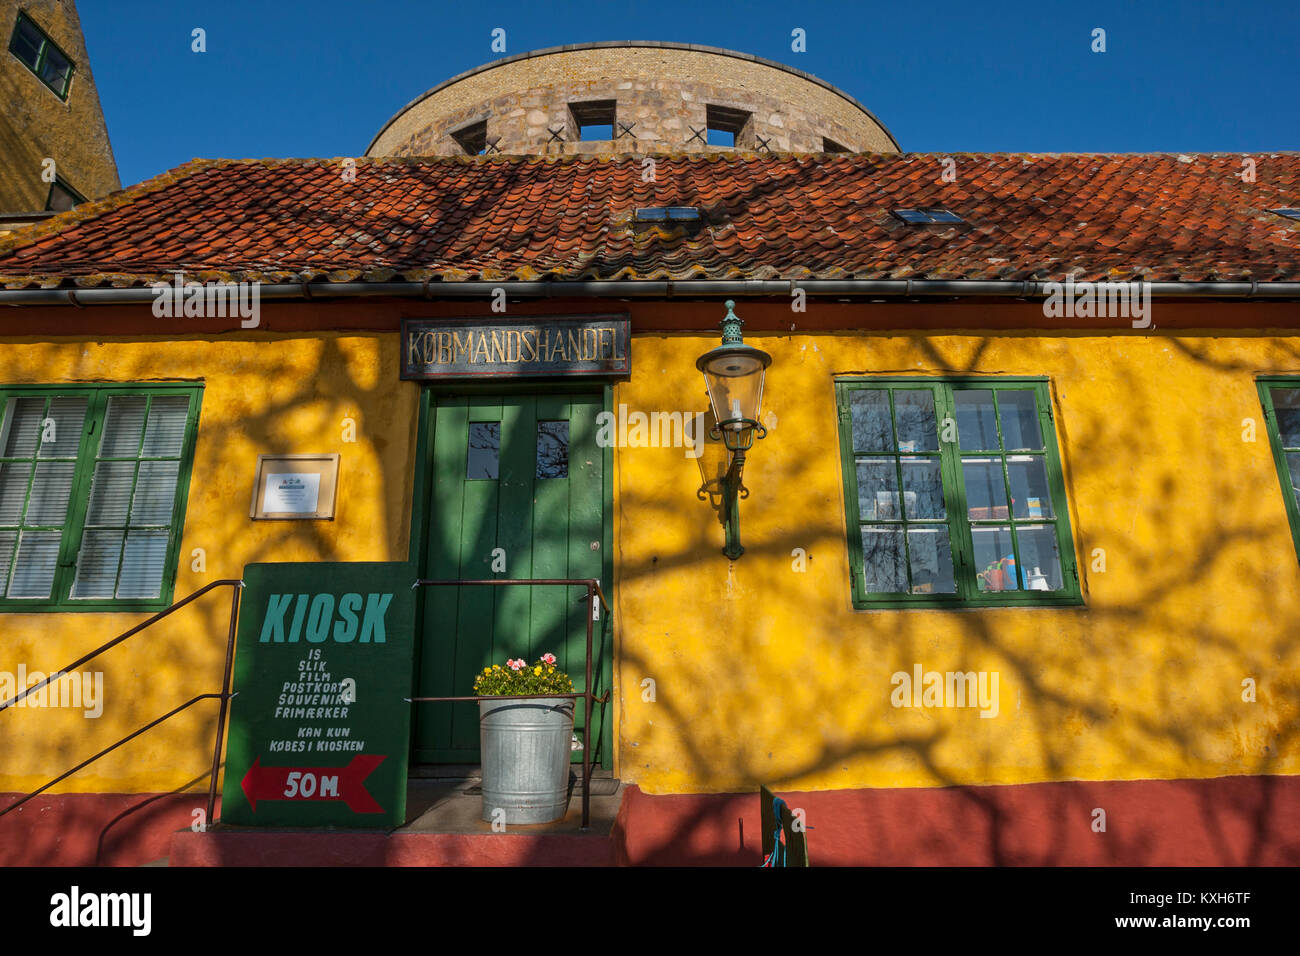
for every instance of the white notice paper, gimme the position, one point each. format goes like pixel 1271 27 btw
pixel 291 494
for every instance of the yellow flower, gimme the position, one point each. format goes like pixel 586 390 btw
pixel 537 670
pixel 487 670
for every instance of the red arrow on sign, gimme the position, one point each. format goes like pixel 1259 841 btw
pixel 314 783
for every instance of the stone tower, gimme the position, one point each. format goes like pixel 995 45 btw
pixel 634 97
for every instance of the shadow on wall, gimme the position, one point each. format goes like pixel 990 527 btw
pixel 290 394
pixel 767 676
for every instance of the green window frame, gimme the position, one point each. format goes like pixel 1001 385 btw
pixel 94 481
pixel 1280 397
pixel 36 51
pixel 938 518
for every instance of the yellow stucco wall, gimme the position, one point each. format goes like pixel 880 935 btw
pixel 763 674
pixel 262 395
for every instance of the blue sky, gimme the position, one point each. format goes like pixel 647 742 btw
pixel 320 77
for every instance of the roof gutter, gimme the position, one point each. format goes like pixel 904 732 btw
pixel 667 289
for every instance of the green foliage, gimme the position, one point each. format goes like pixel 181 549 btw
pixel 517 678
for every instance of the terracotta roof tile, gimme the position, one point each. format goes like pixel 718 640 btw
pixel 775 216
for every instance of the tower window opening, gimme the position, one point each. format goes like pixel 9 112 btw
pixel 594 119
pixel 729 127
pixel 472 138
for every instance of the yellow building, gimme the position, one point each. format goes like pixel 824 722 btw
pixel 1019 532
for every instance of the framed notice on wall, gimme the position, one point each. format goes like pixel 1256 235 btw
pixel 295 486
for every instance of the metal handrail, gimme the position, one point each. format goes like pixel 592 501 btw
pixel 224 696
pixel 593 593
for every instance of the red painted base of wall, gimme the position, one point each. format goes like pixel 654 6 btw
pixel 94 829
pixel 1226 821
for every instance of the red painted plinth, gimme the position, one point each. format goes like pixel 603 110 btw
pixel 1226 821
pixel 94 829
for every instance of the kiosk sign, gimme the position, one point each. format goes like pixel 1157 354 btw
pixel 319 731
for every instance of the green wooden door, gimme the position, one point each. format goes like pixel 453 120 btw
pixel 517 491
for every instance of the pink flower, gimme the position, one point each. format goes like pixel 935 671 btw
pixel 515 665
pixel 548 659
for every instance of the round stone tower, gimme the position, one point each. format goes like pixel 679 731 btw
pixel 635 97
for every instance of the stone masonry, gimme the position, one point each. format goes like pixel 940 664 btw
pixel 661 98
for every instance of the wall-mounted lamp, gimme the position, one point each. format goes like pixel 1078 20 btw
pixel 734 374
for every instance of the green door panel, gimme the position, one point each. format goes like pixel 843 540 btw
pixel 496 512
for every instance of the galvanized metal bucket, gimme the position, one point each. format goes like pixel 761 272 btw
pixel 525 746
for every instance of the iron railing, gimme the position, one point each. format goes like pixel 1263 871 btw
pixel 224 696
pixel 594 593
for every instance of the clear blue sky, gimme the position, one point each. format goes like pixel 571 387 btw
pixel 320 77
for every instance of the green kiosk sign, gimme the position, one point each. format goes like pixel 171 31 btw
pixel 320 726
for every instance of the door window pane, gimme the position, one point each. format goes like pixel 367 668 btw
pixel 552 449
pixel 484 451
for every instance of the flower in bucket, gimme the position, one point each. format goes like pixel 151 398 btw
pixel 518 678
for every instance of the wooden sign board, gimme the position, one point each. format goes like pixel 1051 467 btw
pixel 575 346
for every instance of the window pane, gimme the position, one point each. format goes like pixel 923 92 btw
pixel 13 491
pixel 22 427
pixel 8 541
pixel 484 450
pixel 878 490
pixel 976 426
pixel 48 504
pixel 155 492
pixel 1293 466
pixel 26 43
pixel 931 557
pixel 995 560
pixel 883 563
pixel 869 412
pixel 165 435
pixel 123 423
pixel 986 495
pixel 1030 497
pixel 110 493
pixel 1286 407
pixel 923 488
pixel 97 564
pixel 1019 411
pixel 56 69
pixel 142 565
pixel 60 430
pixel 914 414
pixel 38 553
pixel 552 449
pixel 1040 557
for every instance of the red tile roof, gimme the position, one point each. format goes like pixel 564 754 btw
pixel 768 216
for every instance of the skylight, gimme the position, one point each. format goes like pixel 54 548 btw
pixel 930 214
pixel 1288 211
pixel 663 213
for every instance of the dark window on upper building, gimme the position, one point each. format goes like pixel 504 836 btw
pixel 594 119
pixel 62 196
pixel 472 138
pixel 830 146
pixel 41 55
pixel 729 127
